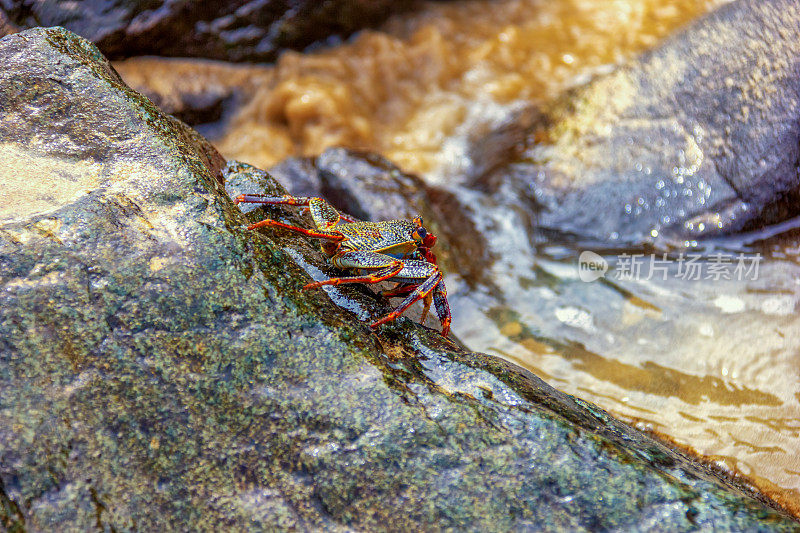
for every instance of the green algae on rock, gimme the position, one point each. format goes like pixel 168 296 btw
pixel 160 368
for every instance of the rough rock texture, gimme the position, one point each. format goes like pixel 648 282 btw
pixel 698 137
pixel 239 30
pixel 160 368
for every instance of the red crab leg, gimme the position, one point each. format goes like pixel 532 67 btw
pixel 405 290
pixel 422 291
pixel 271 200
pixel 426 307
pixel 381 275
pixel 442 308
pixel 401 290
pixel 299 201
pixel 333 236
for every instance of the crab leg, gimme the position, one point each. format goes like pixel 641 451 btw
pixel 401 290
pixel 380 275
pixel 420 293
pixel 405 290
pixel 301 201
pixel 323 213
pixel 442 307
pixel 331 235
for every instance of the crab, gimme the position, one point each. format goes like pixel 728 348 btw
pixel 392 250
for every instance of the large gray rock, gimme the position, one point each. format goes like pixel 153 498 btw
pixel 238 30
pixel 160 368
pixel 698 137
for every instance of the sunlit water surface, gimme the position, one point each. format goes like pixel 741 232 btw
pixel 712 364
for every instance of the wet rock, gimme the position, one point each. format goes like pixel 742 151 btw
pixel 363 184
pixel 241 30
pixel 6 26
pixel 698 137
pixel 191 103
pixel 201 93
pixel 43 71
pixel 10 516
pixel 160 367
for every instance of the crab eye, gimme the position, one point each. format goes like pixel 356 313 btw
pixel 419 234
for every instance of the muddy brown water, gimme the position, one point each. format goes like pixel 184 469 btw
pixel 712 364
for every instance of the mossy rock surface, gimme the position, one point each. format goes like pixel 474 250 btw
pixel 161 368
